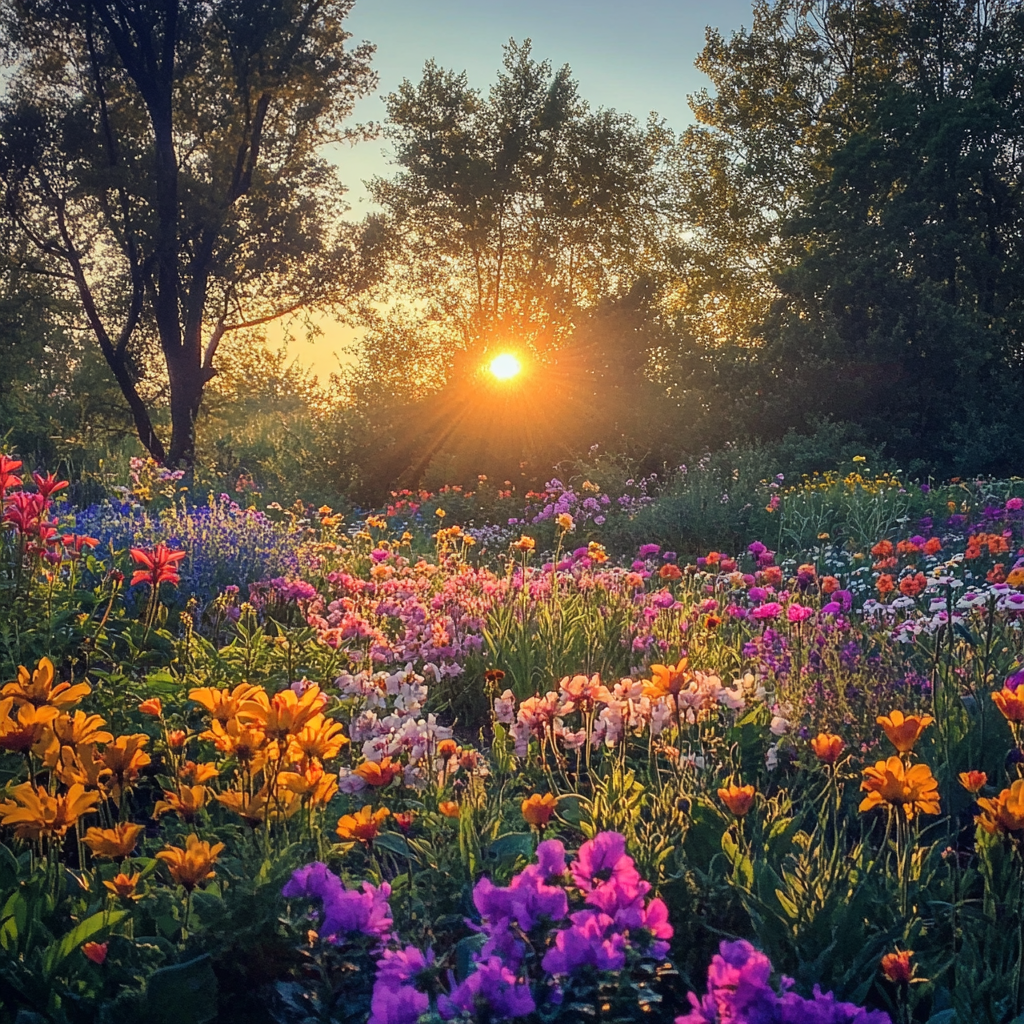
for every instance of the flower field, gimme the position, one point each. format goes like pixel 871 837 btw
pixel 421 765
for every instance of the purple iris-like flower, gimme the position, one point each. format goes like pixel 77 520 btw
pixel 824 1008
pixel 399 966
pixel 649 550
pixel 491 988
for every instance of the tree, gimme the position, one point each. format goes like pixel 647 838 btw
pixel 512 211
pixel 164 159
pixel 905 309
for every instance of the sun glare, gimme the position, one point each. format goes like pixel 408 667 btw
pixel 505 366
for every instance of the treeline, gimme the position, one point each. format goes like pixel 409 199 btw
pixel 832 250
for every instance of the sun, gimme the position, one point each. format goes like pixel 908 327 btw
pixel 505 366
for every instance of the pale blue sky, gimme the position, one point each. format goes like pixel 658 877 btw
pixel 634 56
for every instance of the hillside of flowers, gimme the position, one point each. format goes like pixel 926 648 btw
pixel 457 760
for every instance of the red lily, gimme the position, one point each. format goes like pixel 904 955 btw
pixel 160 565
pixel 48 484
pixel 76 541
pixel 8 468
pixel 25 511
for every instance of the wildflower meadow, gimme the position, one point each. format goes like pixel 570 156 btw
pixel 289 765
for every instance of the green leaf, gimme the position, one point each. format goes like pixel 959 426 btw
pixel 511 845
pixel 393 843
pixel 57 952
pixel 182 994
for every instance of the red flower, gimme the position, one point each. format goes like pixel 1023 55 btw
pixel 160 565
pixel 25 511
pixel 8 468
pixel 95 951
pixel 48 484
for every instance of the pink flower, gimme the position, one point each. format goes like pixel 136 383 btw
pixel 770 610
pixel 799 613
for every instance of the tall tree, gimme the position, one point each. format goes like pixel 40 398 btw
pixel 165 160
pixel 513 210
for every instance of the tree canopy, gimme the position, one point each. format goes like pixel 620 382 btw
pixel 164 161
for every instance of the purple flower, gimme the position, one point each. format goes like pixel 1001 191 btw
pixel 590 941
pixel 649 550
pixel 402 1005
pixel 491 992
pixel 344 910
pixel 398 966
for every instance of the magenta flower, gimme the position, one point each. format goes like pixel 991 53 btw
pixel 402 1005
pixel 345 911
pixel 799 613
pixel 770 610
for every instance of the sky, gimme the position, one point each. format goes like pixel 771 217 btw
pixel 636 56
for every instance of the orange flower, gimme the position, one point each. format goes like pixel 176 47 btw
pixel 524 544
pixel 911 586
pixel 176 739
pixel 404 820
pixel 883 549
pixel 43 816
pixel 38 690
pixel 95 951
pixel 914 789
pixel 884 584
pixel 668 679
pixel 113 843
pixel 192 865
pixel 310 780
pixel 191 773
pixel 222 705
pixel 447 749
pixel 283 715
pixel 79 728
pixel 449 808
pixel 904 730
pixel 829 584
pixel 83 766
pixel 364 825
pixel 739 799
pixel 973 781
pixel 186 803
pixel 932 546
pixel 1010 703
pixel 29 731
pixel 596 552
pixel 1004 813
pixel 152 706
pixel 124 885
pixel 670 572
pixel 377 775
pixel 827 747
pixel 124 757
pixel 896 966
pixel 537 809
pixel 321 738
pixel 244 742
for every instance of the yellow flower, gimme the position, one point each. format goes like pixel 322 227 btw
pixel 186 803
pixel 113 843
pixel 596 552
pixel 1004 813
pixel 83 766
pixel 904 730
pixel 565 522
pixel 311 781
pixel 537 809
pixel 739 799
pixel 192 865
pixel 914 789
pixel 524 544
pixel 364 825
pixel 43 816
pixel 124 885
pixel 38 690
